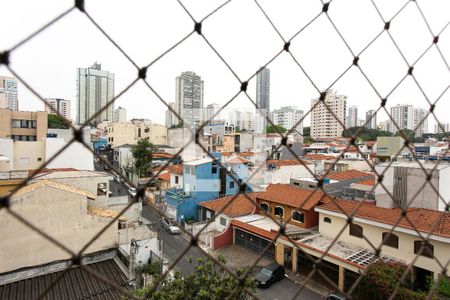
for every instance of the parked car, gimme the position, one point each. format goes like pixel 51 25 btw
pixel 335 296
pixel 132 192
pixel 269 275
pixel 118 179
pixel 105 167
pixel 170 226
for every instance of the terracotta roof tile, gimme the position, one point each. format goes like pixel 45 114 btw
pixel 292 196
pixel 162 155
pixel 346 175
pixel 287 162
pixel 226 153
pixel 319 157
pixel 164 177
pixel 105 213
pixel 271 235
pixel 423 219
pixel 370 182
pixel 174 169
pixel 237 161
pixel 244 154
pixel 240 206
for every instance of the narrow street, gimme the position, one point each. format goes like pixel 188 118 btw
pixel 174 245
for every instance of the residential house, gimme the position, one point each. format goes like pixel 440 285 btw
pixel 281 171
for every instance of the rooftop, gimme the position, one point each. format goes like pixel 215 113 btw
pixel 240 206
pixel 293 196
pixel 75 284
pixel 198 162
pixel 55 173
pixel 104 212
pixel 174 169
pixel 42 183
pixel 347 175
pixel 287 162
pixel 162 155
pixel 425 220
pixel 319 157
pixel 414 164
pixel 164 177
pixel 237 161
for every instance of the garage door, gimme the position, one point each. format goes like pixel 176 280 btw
pixel 254 243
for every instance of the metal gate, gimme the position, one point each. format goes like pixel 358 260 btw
pixel 254 243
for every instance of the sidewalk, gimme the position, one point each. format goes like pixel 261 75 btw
pixel 312 285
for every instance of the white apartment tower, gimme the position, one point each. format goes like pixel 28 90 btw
pixel 371 119
pixel 8 92
pixel 242 120
pixel 352 117
pixel 402 116
pixel 189 97
pixel 95 89
pixel 323 123
pixel 442 128
pixel 420 121
pixel 210 111
pixel 288 117
pixel 62 106
pixel 171 118
pixel 120 115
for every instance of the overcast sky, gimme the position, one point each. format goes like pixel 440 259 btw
pixel 244 38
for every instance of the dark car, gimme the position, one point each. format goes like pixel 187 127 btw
pixel 269 274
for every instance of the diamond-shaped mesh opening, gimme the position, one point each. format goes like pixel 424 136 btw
pixel 328 49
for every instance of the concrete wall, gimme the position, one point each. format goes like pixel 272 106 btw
pixel 405 252
pixel 7 150
pixel 29 155
pixel 75 156
pixel 285 173
pixel 144 248
pixel 61 215
pixel 6 116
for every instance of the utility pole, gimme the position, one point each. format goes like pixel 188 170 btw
pixel 161 259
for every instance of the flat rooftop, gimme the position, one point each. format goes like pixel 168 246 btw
pixel 428 165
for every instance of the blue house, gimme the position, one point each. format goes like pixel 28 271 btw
pixel 204 180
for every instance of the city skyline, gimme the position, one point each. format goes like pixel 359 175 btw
pixel 289 87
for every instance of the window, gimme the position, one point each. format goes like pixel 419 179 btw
pixel 214 170
pixel 147 130
pixel 356 230
pixel 427 248
pixel 139 132
pixel 176 179
pixel 279 211
pixel 23 124
pixel 223 221
pixel 231 184
pixel 265 207
pixel 39 159
pixel 33 124
pixel 298 216
pixel 15 123
pixel 327 220
pixel 390 239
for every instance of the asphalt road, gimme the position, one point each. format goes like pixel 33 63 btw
pixel 117 189
pixel 174 245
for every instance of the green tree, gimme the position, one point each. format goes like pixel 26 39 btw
pixel 380 281
pixel 143 154
pixel 208 281
pixel 407 133
pixel 365 134
pixel 307 131
pixel 57 122
pixel 275 129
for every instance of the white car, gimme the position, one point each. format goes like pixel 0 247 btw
pixel 170 226
pixel 132 192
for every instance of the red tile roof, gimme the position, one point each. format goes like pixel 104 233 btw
pixel 292 196
pixel 370 182
pixel 174 169
pixel 244 154
pixel 240 206
pixel 319 157
pixel 346 175
pixel 237 160
pixel 164 177
pixel 425 220
pixel 253 229
pixel 226 153
pixel 287 162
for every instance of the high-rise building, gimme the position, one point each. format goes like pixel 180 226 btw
pixel 371 119
pixel 403 117
pixel 288 117
pixel 189 98
pixel 120 115
pixel 323 123
pixel 242 120
pixel 171 118
pixel 57 105
pixel 442 128
pixel 420 121
pixel 95 89
pixel 352 117
pixel 8 91
pixel 263 89
pixel 210 111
